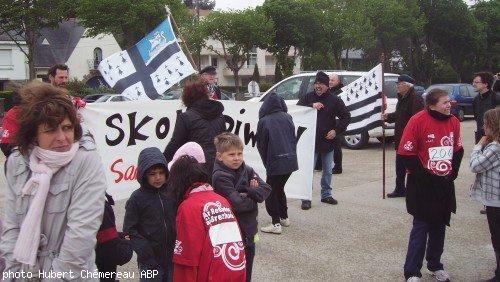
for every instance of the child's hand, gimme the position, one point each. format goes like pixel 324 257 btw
pixel 254 183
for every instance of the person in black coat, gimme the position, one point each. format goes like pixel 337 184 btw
pixel 277 145
pixel 112 248
pixel 209 76
pixel 485 100
pixel 200 123
pixel 329 108
pixel 150 216
pixel 336 89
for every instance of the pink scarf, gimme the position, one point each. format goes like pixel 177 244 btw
pixel 43 164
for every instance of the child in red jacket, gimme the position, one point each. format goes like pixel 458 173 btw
pixel 208 245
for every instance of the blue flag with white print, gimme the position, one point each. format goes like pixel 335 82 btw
pixel 150 67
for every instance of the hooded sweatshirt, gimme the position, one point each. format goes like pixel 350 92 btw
pixel 200 123
pixel 150 216
pixel 276 140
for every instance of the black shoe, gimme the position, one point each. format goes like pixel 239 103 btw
pixel 483 211
pixel 305 205
pixel 395 195
pixel 329 200
pixel 336 170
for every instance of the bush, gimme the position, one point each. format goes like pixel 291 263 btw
pixel 80 89
pixel 7 102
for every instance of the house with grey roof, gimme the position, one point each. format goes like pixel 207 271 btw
pixel 66 44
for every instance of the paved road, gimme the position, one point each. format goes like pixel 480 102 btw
pixel 364 237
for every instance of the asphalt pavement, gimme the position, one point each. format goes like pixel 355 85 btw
pixel 364 237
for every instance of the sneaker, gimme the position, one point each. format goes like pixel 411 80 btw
pixel 395 195
pixel 285 222
pixel 413 279
pixel 272 228
pixel 441 275
pixel 305 205
pixel 329 200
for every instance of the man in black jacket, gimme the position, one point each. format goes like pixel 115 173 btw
pixel 336 89
pixel 409 103
pixel 150 216
pixel 485 100
pixel 209 76
pixel 329 108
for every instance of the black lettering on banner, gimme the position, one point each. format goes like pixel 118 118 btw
pixel 238 125
pixel 229 122
pixel 134 130
pixel 249 135
pixel 165 123
pixel 300 130
pixel 121 134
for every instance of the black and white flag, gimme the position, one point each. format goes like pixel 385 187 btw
pixel 148 68
pixel 363 98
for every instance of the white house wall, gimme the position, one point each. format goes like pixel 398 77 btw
pixel 17 69
pixel 81 60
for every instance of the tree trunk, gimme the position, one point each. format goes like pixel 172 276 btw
pixel 236 76
pixel 31 42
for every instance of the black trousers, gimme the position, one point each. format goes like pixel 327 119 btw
pixel 493 215
pixel 249 255
pixel 276 202
pixel 337 151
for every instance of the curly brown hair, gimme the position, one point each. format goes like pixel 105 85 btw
pixel 492 120
pixel 42 103
pixel 194 92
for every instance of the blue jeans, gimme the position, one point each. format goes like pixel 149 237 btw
pixel 326 176
pixel 424 235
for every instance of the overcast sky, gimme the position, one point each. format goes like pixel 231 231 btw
pixel 242 4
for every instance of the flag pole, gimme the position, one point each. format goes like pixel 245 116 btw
pixel 190 57
pixel 384 108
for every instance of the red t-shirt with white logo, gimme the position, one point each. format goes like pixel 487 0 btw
pixel 10 125
pixel 433 141
pixel 208 238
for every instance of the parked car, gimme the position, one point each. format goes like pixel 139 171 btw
pixel 108 98
pixel 293 87
pixel 91 98
pixel 461 96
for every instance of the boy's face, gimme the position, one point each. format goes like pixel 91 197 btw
pixel 232 158
pixel 156 177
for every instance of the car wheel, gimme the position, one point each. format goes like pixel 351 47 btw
pixel 357 141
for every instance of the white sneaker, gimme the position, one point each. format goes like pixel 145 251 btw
pixel 285 222
pixel 413 279
pixel 441 275
pixel 272 228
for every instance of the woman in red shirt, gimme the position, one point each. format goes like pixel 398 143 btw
pixel 431 148
pixel 208 246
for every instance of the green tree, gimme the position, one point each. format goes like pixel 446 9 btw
pixel 127 20
pixel 488 13
pixel 237 32
pixel 256 74
pixel 23 20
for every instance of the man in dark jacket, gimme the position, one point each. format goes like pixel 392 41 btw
pixel 200 123
pixel 209 76
pixel 485 100
pixel 336 89
pixel 277 145
pixel 329 108
pixel 409 103
pixel 150 216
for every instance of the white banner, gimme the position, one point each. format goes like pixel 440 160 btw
pixel 121 130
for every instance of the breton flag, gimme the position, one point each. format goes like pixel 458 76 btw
pixel 363 98
pixel 150 67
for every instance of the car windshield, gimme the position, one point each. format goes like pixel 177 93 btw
pixel 447 88
pixel 103 98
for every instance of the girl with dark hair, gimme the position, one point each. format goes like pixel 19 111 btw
pixel 54 198
pixel 200 123
pixel 485 163
pixel 431 149
pixel 208 245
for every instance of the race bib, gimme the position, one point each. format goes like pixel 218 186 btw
pixel 441 153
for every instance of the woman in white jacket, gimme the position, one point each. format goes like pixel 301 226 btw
pixel 485 162
pixel 55 192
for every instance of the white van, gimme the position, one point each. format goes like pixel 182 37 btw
pixel 295 86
